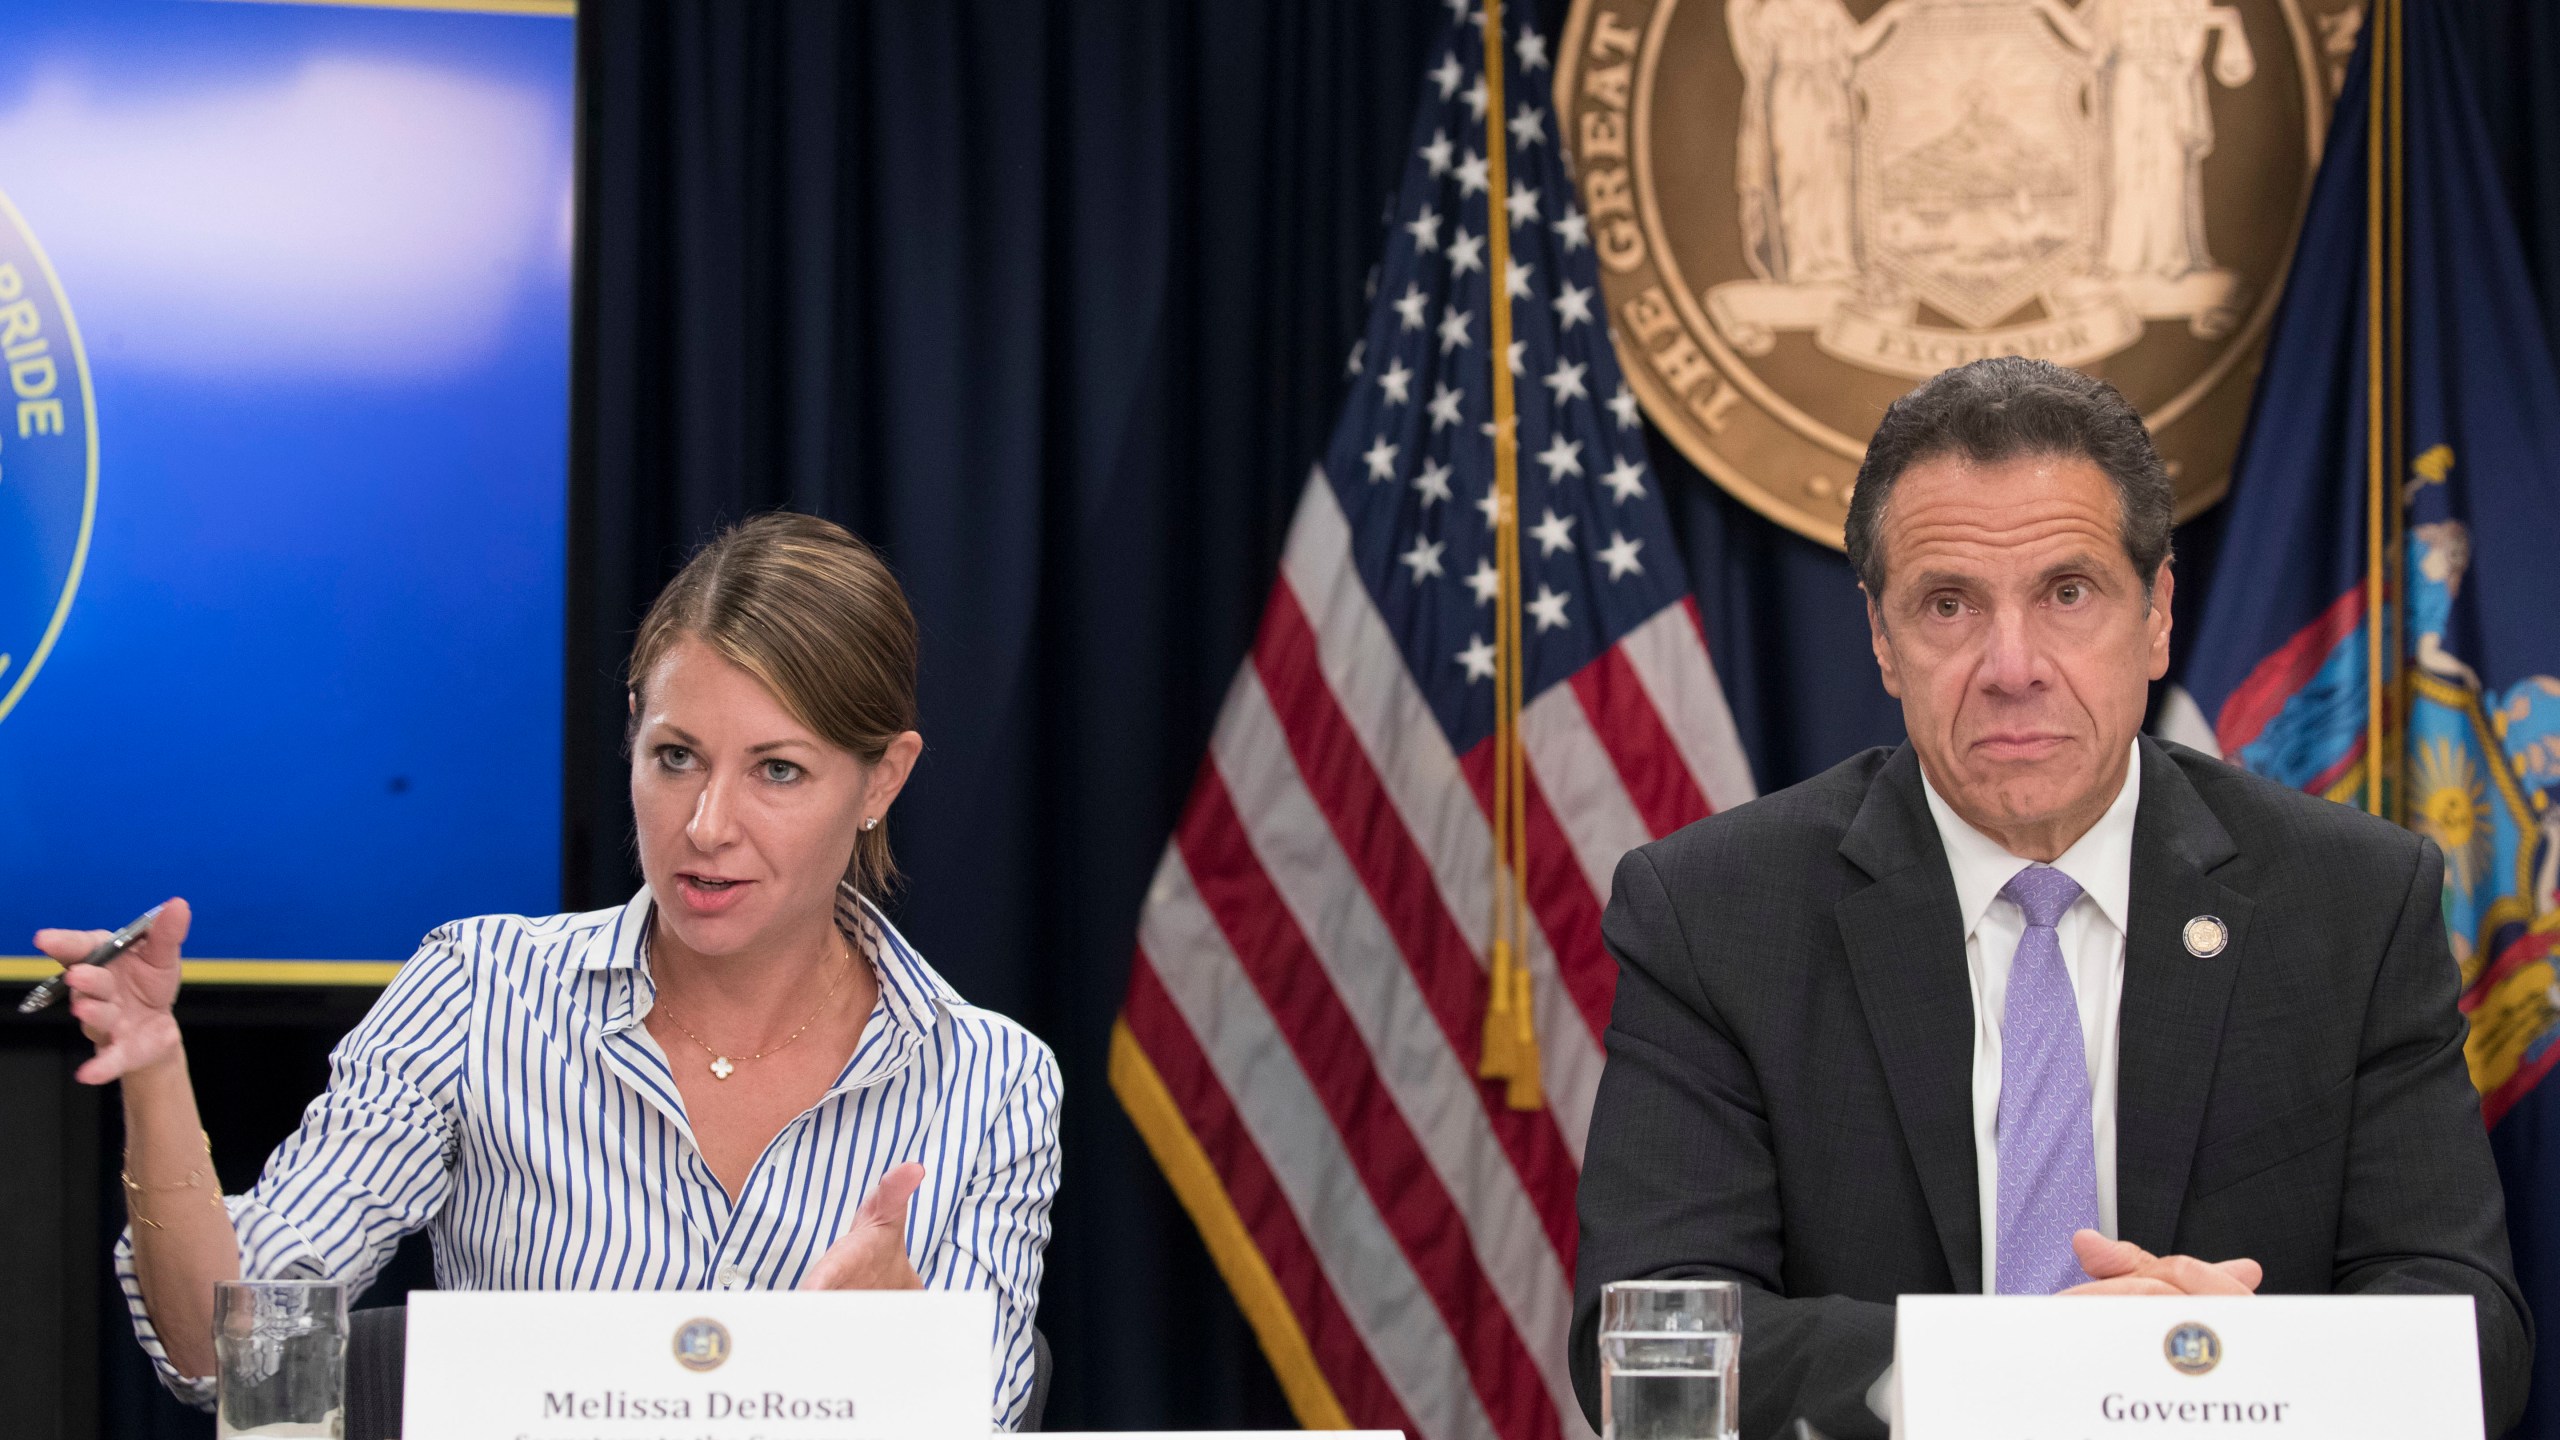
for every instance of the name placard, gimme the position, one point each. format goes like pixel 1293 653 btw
pixel 2233 1367
pixel 698 1365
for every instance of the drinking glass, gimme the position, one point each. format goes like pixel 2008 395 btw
pixel 1670 1359
pixel 280 1352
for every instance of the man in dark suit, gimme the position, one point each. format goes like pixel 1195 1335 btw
pixel 2032 1003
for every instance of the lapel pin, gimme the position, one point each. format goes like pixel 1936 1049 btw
pixel 2205 936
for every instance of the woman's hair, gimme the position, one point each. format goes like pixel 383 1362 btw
pixel 808 609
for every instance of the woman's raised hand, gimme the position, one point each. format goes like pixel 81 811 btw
pixel 873 1253
pixel 123 1006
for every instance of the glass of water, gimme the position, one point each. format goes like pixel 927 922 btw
pixel 280 1353
pixel 1670 1359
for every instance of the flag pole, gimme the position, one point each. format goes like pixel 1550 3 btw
pixel 1511 1038
pixel 2377 450
pixel 2396 419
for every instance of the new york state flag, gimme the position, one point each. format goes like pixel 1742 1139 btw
pixel 2282 676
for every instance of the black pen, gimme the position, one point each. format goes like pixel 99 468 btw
pixel 108 949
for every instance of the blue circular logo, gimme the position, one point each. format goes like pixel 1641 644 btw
pixel 702 1344
pixel 2192 1348
pixel 48 457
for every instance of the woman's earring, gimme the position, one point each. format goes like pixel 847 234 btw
pixel 871 824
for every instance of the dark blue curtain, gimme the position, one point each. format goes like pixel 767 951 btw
pixel 1051 302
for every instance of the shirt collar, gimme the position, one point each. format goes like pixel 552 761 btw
pixel 2100 862
pixel 911 994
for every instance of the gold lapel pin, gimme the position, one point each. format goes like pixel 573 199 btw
pixel 2206 935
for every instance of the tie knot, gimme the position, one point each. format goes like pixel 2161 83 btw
pixel 2042 892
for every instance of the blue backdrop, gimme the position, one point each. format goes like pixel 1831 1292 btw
pixel 310 676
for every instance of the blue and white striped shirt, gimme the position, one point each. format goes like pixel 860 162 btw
pixel 504 1096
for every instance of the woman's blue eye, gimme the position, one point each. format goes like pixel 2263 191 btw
pixel 674 757
pixel 781 772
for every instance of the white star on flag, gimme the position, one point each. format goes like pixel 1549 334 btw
pixel 1448 76
pixel 1466 252
pixel 1553 533
pixel 1548 609
pixel 1411 304
pixel 1573 230
pixel 1533 50
pixel 1528 126
pixel 1522 206
pixel 1433 481
pixel 1359 348
pixel 1424 557
pixel 1473 178
pixel 1623 405
pixel 1572 302
pixel 1382 460
pixel 1475 97
pixel 1562 457
pixel 1436 154
pixel 1565 380
pixel 1478 658
pixel 1515 279
pixel 1491 505
pixel 1625 480
pixel 1620 556
pixel 1486 581
pixel 1445 402
pixel 1519 357
pixel 1426 230
pixel 1395 379
pixel 1453 331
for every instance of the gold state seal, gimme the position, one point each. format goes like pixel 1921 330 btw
pixel 1803 206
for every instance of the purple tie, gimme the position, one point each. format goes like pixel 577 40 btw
pixel 2048 1161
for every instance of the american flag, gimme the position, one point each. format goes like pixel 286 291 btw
pixel 1306 1012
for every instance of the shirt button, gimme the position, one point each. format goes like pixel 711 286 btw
pixel 732 1278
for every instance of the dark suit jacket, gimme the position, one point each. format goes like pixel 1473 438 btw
pixel 1788 1100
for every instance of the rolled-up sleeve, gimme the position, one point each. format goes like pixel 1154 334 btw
pixel 999 1226
pixel 371 1161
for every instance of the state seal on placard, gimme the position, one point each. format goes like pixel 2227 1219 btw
pixel 702 1344
pixel 2191 1348
pixel 48 457
pixel 1803 207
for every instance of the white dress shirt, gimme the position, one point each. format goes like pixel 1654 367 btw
pixel 504 1096
pixel 2092 934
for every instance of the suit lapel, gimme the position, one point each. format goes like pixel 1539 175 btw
pixel 2169 1028
pixel 1905 940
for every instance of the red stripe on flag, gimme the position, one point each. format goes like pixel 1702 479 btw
pixel 1398 879
pixel 1559 897
pixel 1639 744
pixel 1408 1192
pixel 2275 679
pixel 1349 1368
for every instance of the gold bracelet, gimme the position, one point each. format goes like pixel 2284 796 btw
pixel 138 1188
pixel 135 1187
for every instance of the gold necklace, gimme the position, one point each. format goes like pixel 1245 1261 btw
pixel 721 1066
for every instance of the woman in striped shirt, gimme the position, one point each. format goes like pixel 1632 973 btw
pixel 743 1078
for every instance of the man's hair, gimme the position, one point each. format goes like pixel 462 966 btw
pixel 2006 408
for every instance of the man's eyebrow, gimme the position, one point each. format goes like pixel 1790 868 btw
pixel 1928 580
pixel 2082 563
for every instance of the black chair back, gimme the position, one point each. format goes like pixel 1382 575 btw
pixel 377 1355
